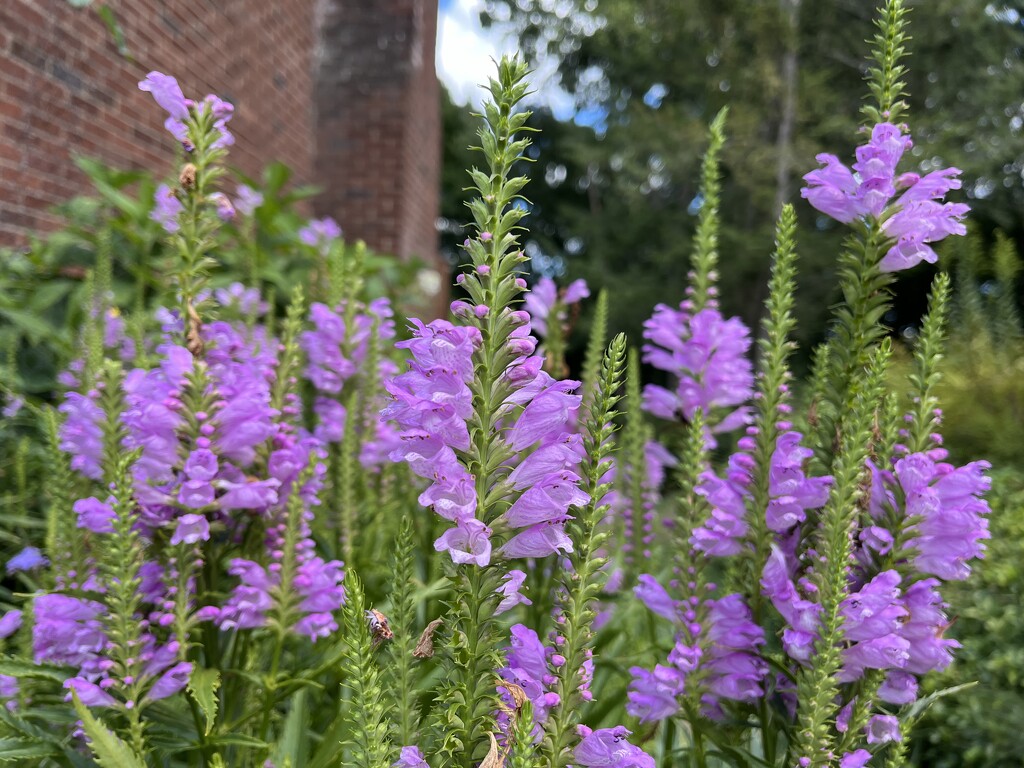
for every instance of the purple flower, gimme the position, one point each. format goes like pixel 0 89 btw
pixel 248 603
pixel 10 623
pixel 544 298
pixel 28 559
pixel 13 406
pixel 882 729
pixel 257 494
pixel 898 688
pixel 527 667
pixel 170 682
pixel 791 491
pixel 320 233
pixel 548 500
pixel 95 515
pixel 167 93
pixel 947 513
pixel 225 209
pixel 90 694
pixel 246 300
pixel 538 540
pixel 913 220
pixel 857 759
pixel 923 629
pixel 468 542
pixel 708 355
pixel 511 596
pixel 68 631
pixel 168 96
pixel 655 597
pixel 545 415
pixel 872 619
pixel 191 529
pixel 81 434
pixel 652 694
pixel 410 757
pixel 609 747
pixel 166 209
pixel 247 199
pixel 320 585
pixel 733 667
pixel 222 112
pixel 330 416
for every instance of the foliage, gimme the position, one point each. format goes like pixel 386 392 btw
pixel 980 726
pixel 615 193
pixel 281 533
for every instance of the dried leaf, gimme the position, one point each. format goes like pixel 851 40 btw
pixel 425 647
pixel 194 336
pixel 518 695
pixel 494 758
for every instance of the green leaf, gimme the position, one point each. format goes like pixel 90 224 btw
pixel 236 740
pixel 110 751
pixel 28 323
pixel 203 685
pixel 23 749
pixel 22 669
pixel 291 747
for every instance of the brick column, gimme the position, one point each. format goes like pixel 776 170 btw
pixel 378 127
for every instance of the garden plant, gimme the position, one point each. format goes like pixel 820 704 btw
pixel 335 538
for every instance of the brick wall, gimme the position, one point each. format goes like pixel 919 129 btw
pixel 342 91
pixel 64 89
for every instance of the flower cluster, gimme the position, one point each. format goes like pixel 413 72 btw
pixel 432 403
pixel 791 495
pixel 168 95
pixel 716 637
pixel 708 355
pixel 908 207
pixel 545 299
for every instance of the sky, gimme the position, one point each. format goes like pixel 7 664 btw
pixel 465 50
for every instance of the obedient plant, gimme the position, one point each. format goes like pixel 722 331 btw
pixel 346 539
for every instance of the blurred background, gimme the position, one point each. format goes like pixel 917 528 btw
pixel 362 110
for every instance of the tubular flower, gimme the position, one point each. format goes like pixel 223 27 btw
pixel 791 494
pixel 708 355
pixel 946 513
pixel 431 404
pixel 724 648
pixel 609 747
pixel 544 298
pixel 528 667
pixel 908 207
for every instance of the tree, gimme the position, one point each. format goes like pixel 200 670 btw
pixel 615 193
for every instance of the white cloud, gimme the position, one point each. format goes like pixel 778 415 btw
pixel 464 58
pixel 465 50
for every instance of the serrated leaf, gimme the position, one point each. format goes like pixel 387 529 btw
pixel 203 685
pixel 110 751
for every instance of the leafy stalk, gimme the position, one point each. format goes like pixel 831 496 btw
pixel 772 388
pixel 925 377
pixel 368 726
pixel 583 583
pixel 816 686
